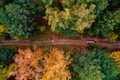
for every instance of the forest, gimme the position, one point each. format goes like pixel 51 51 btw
pixel 59 39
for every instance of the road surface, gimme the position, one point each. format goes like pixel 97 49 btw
pixel 81 42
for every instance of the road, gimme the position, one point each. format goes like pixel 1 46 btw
pixel 84 42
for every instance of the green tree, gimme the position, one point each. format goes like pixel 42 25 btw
pixel 74 15
pixel 94 65
pixel 5 71
pixel 107 23
pixel 1 3
pixel 16 17
pixel 112 37
pixel 3 32
pixel 6 56
pixel 41 6
pixel 76 18
pixel 115 2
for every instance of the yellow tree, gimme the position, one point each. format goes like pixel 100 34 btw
pixel 116 56
pixel 55 66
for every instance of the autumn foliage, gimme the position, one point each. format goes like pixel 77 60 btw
pixel 55 66
pixel 35 65
pixel 116 56
pixel 23 61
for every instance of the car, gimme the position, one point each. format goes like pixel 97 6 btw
pixel 116 43
pixel 91 42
